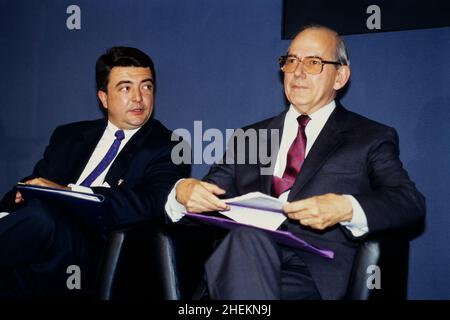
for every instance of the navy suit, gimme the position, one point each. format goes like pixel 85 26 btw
pixel 40 238
pixel 352 155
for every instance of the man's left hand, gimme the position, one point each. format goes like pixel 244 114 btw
pixel 46 183
pixel 39 182
pixel 320 212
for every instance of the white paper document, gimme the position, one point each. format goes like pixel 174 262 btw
pixel 256 209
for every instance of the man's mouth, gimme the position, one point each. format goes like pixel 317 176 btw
pixel 137 110
pixel 298 87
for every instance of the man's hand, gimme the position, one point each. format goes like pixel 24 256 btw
pixel 320 212
pixel 39 182
pixel 19 198
pixel 199 196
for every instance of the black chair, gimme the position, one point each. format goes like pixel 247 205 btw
pixel 165 262
pixel 155 261
pixel 391 256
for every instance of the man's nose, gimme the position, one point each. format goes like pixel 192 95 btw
pixel 137 95
pixel 299 70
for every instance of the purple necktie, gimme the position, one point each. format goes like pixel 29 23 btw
pixel 294 161
pixel 109 156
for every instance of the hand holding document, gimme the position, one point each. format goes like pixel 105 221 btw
pixel 260 211
pixel 256 209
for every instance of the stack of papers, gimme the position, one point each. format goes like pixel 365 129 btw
pixel 256 209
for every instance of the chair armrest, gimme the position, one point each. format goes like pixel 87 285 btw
pixel 154 261
pixel 183 250
pixel 109 264
pixel 368 254
pixel 391 255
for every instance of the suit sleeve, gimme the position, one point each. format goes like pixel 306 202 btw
pixel 50 166
pixel 394 201
pixel 223 173
pixel 44 168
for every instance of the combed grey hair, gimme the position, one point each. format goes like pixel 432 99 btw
pixel 341 54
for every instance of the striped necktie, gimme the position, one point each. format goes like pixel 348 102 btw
pixel 294 161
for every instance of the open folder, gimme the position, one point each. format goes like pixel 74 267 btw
pixel 34 191
pixel 260 211
pixel 88 207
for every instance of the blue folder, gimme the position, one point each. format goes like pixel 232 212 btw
pixel 282 237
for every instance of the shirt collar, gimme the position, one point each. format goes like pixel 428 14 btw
pixel 111 128
pixel 319 117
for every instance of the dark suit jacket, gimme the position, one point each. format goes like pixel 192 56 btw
pixel 352 155
pixel 140 177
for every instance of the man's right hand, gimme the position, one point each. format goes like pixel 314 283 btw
pixel 199 196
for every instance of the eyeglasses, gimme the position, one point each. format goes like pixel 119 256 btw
pixel 311 65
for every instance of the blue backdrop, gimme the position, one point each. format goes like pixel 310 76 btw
pixel 216 62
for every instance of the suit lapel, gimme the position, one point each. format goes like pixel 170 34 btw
pixel 276 124
pixel 328 141
pixel 122 162
pixel 83 148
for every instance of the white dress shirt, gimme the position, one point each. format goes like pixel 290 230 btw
pixel 358 224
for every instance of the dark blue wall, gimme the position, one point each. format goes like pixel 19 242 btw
pixel 216 62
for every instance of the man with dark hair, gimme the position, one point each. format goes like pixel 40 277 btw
pixel 338 172
pixel 125 157
pixel 121 57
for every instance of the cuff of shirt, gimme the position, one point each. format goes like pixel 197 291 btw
pixel 3 214
pixel 358 225
pixel 174 209
pixel 78 188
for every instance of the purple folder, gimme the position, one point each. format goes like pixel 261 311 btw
pixel 283 237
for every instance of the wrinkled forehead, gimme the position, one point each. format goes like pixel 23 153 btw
pixel 314 42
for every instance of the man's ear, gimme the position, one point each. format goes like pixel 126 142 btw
pixel 342 76
pixel 103 96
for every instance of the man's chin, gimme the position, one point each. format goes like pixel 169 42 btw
pixel 301 105
pixel 137 123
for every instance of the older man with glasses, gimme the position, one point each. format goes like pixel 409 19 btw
pixel 338 172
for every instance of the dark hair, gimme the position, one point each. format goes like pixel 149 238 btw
pixel 120 57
